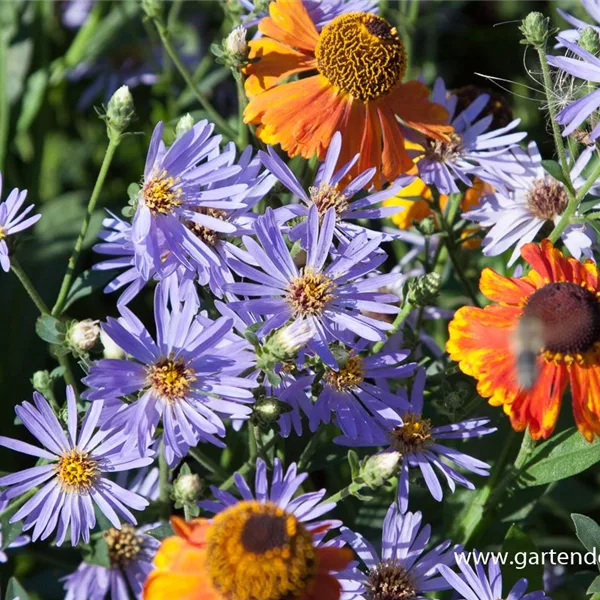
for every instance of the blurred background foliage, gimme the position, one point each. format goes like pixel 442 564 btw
pixel 52 146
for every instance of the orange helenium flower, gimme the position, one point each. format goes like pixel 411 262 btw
pixel 251 551
pixel 562 296
pixel 357 90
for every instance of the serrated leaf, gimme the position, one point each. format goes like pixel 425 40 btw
pixel 595 587
pixel 563 455
pixel 518 543
pixel 51 330
pixel 87 283
pixel 554 170
pixel 161 532
pixel 15 590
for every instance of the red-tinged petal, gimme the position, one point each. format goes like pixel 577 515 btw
pixel 505 290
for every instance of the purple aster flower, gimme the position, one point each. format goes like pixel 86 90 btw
pixel 189 378
pixel 592 8
pixel 75 479
pixel 473 150
pixel 330 296
pixel 130 552
pixel 404 563
pixel 514 218
pixel 11 222
pixel 588 69
pixel 18 542
pixel 307 508
pixel 328 192
pixel 477 585
pixel 417 442
pixel 320 11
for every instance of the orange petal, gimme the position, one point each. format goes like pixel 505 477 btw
pixel 505 290
pixel 395 159
pixel 274 62
pixel 549 262
pixel 334 559
pixel 194 531
pixel 325 587
pixel 370 145
pixel 290 23
pixel 161 585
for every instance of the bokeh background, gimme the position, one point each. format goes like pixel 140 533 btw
pixel 52 143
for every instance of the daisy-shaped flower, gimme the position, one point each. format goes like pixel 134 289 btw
pixel 357 393
pixel 421 445
pixel 12 222
pixel 405 569
pixel 560 295
pixel 471 150
pixel 587 69
pixel 515 216
pixel 188 378
pixel 329 296
pixel 74 481
pixel 307 508
pixel 329 192
pixel 355 66
pixel 476 584
pixel 251 550
pixel 130 552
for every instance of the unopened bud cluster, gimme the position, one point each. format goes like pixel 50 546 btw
pixel 120 111
pixel 589 40
pixel 233 52
pixel 535 28
pixel 83 335
pixel 422 291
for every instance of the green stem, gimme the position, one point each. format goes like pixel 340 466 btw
pixel 29 287
pixel 208 463
pixel 349 490
pixel 4 104
pixel 247 466
pixel 163 479
pixel 113 143
pixel 407 308
pixel 252 444
pixel 244 130
pixel 216 118
pixel 309 450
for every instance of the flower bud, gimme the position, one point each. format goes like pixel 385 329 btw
pixel 288 341
pixel 111 349
pixel 120 110
pixel 187 489
pixel 426 226
pixel 377 469
pixel 422 291
pixel 184 125
pixel 84 335
pixel 41 381
pixel 535 28
pixel 590 41
pixel 236 44
pixel 265 413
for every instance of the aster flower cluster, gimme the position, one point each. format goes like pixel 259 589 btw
pixel 309 303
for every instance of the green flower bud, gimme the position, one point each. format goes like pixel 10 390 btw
pixel 377 469
pixel 83 335
pixel 236 45
pixel 535 28
pixel 422 291
pixel 266 412
pixel 187 489
pixel 184 125
pixel 590 40
pixel 427 226
pixel 41 381
pixel 120 110
pixel 285 343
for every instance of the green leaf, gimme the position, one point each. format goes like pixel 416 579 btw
pixel 51 330
pixel 521 552
pixel 161 532
pixel 33 98
pixel 595 587
pixel 99 555
pixel 87 283
pixel 15 590
pixel 563 455
pixel 554 170
pixel 588 532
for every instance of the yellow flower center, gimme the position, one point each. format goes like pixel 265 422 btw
pixel 257 551
pixel 547 198
pixel 309 293
pixel 349 376
pixel 2 232
pixel 327 196
pixel 361 54
pixel 207 235
pixel 170 378
pixel 77 471
pixel 162 194
pixel 413 436
pixel 390 581
pixel 123 545
pixel 444 151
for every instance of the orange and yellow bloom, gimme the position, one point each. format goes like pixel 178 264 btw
pixel 251 551
pixel 561 296
pixel 360 62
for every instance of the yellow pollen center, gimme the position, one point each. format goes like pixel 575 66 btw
pixel 309 293
pixel 207 235
pixel 327 196
pixel 2 232
pixel 77 471
pixel 349 376
pixel 170 378
pixel 413 436
pixel 257 551
pixel 361 54
pixel 123 545
pixel 162 194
